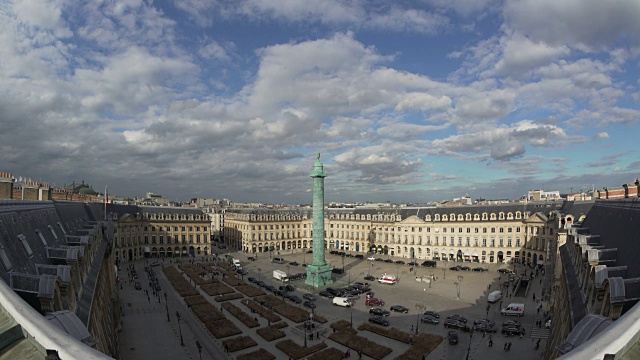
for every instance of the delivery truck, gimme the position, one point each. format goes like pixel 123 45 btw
pixel 280 275
pixel 494 296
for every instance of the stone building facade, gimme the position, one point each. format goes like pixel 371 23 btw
pixel 520 233
pixel 154 231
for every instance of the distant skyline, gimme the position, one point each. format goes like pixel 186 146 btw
pixel 407 101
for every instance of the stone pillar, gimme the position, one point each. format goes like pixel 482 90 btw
pixel 319 272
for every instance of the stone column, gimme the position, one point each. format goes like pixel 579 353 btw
pixel 318 272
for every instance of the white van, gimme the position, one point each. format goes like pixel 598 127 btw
pixel 341 301
pixel 516 309
pixel 494 296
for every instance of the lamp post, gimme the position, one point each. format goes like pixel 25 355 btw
pixel 444 273
pixel 199 347
pixel 458 284
pixel 259 274
pixel 469 347
pixel 352 303
pixel 430 277
pixel 488 307
pixel 288 267
pixel 419 309
pixel 166 306
pixel 180 328
pixel 343 264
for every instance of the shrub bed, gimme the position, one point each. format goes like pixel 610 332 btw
pixel 232 280
pixel 216 289
pixel 255 306
pixel 391 333
pixel 239 343
pixel 423 344
pixel 249 290
pixel 195 300
pixel 182 286
pixel 327 354
pixel 207 312
pixel 241 315
pixel 296 351
pixel 270 333
pixel 359 343
pixel 343 326
pixel 222 328
pixel 227 297
pixel 260 354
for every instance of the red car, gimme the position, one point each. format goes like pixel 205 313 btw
pixel 374 302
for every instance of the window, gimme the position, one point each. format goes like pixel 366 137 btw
pixel 146 239
pixel 184 238
pixel 484 230
pixel 509 230
pixel 25 244
pixel 184 228
pixel 484 242
pixel 459 230
pixel 146 228
pixel 493 230
pixel 501 230
pixel 198 239
pixel 475 230
pixel 518 229
pixel 5 259
pixel 153 239
pixel 509 242
pixel 161 239
pixel 517 241
pixel 42 239
pixel 501 242
pixel 493 242
pixel 468 241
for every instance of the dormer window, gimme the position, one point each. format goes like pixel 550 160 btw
pixel 25 244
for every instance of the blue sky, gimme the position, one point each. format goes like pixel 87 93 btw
pixel 408 101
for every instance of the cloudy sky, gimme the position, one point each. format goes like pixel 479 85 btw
pixel 407 101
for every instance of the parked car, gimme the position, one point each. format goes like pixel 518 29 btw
pixel 379 259
pixel 337 270
pixel 454 268
pixel 511 323
pixel 294 263
pixel 243 272
pixel 326 294
pixel 261 283
pixel 457 318
pixel 388 261
pixel 479 269
pixel 413 263
pixel 484 327
pixel 138 285
pixel 252 258
pixel 429 319
pixel 371 258
pixel 278 260
pixel 309 304
pixel 429 263
pixel 252 279
pixel 465 268
pixel 379 312
pixel 374 302
pixel 399 262
pixel 432 313
pixel 399 308
pixel 309 297
pixel 511 330
pixel 452 336
pixel 379 321
pixel 370 278
pixel 504 271
pixel 295 299
pixel 370 294
pixel 289 288
pixel 483 321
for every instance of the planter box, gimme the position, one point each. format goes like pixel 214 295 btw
pixel 359 343
pixel 327 354
pixel 391 333
pixel 246 319
pixel 227 297
pixel 238 343
pixel 260 354
pixel 296 351
pixel 423 344
pixel 270 333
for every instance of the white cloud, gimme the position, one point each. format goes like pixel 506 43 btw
pixel 602 135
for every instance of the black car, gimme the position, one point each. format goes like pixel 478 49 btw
pixel 333 252
pixel 457 318
pixel 138 285
pixel 261 283
pixel 252 279
pixel 309 297
pixel 379 321
pixel 432 313
pixel 271 288
pixel 379 259
pixel 483 321
pixel 511 330
pixel 399 262
pixel 295 299
pixel 465 268
pixel 453 337
pixel 504 271
pixel 485 328
pixel 478 269
pixel 243 272
pixel 451 323
pixel 337 270
pixel 429 263
pixel 252 258
pixel 359 256
pixel 294 263
pixel 429 319
pixel 379 312
pixel 370 278
pixel 413 263
pixel 399 308
pixel 388 261
pixel 309 304
pixel 454 268
pixel 289 288
pixel 511 323
pixel 326 294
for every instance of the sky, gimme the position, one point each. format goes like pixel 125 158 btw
pixel 407 101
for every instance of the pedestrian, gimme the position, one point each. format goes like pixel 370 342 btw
pixel 359 354
pixel 317 334
pixel 509 346
pixel 412 328
pixel 534 296
pixel 490 344
pixel 505 346
pixel 521 336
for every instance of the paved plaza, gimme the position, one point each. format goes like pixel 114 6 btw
pixel 147 333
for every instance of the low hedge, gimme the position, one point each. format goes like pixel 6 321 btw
pixel 296 351
pixel 343 326
pixel 227 297
pixel 261 310
pixel 260 354
pixel 249 290
pixel 207 312
pixel 195 300
pixel 391 333
pixel 270 333
pixel 423 344
pixel 222 328
pixel 327 354
pixel 245 318
pixel 216 289
pixel 359 343
pixel 239 343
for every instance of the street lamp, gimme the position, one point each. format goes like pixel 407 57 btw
pixel 458 284
pixel 199 347
pixel 259 274
pixel 166 306
pixel 469 348
pixel 352 303
pixel 444 273
pixel 420 309
pixel 180 328
pixel 430 277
